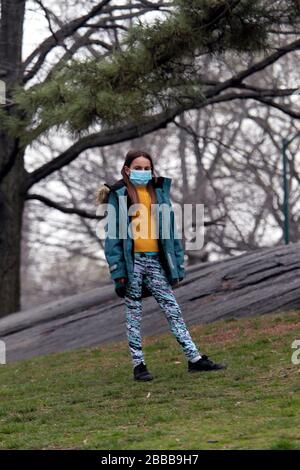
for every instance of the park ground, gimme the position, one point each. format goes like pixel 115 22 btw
pixel 86 398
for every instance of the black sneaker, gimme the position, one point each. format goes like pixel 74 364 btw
pixel 141 372
pixel 204 364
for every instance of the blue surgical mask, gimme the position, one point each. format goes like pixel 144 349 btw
pixel 140 177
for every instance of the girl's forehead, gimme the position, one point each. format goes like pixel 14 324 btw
pixel 141 161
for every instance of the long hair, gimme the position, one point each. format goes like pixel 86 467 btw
pixel 131 189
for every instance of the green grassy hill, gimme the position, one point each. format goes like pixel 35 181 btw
pixel 87 399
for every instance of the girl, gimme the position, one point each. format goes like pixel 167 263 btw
pixel 146 265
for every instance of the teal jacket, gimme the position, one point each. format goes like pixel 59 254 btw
pixel 119 252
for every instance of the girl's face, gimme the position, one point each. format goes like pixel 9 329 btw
pixel 139 163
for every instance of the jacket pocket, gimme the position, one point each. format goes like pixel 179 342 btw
pixel 113 267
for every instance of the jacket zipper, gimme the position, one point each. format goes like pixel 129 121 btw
pixel 170 260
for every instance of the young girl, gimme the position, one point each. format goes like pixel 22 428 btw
pixel 146 265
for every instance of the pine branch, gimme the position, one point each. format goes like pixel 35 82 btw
pixel 130 131
pixel 135 80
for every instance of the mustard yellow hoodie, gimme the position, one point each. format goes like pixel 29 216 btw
pixel 141 218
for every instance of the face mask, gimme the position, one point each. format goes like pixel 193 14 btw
pixel 140 177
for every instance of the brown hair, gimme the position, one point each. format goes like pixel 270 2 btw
pixel 131 189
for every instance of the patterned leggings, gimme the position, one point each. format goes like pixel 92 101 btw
pixel 150 268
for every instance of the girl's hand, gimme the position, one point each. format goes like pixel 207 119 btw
pixel 120 286
pixel 176 281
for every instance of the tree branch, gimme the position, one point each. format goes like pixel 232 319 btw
pixel 67 30
pixel 67 210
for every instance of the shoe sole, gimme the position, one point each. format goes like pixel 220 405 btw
pixel 146 379
pixel 206 370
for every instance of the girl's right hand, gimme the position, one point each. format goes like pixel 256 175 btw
pixel 120 286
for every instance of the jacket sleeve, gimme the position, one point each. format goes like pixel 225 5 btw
pixel 178 248
pixel 113 247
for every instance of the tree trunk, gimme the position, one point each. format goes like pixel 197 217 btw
pixel 11 161
pixel 11 208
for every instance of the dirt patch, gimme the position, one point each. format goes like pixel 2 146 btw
pixel 224 336
pixel 280 328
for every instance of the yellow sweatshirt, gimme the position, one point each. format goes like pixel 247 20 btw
pixel 138 220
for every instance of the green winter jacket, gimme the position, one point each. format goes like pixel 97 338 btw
pixel 119 252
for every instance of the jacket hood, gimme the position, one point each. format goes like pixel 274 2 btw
pixel 103 191
pixel 102 194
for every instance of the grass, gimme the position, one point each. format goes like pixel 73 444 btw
pixel 87 399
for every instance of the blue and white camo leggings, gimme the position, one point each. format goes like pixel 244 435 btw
pixel 149 268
